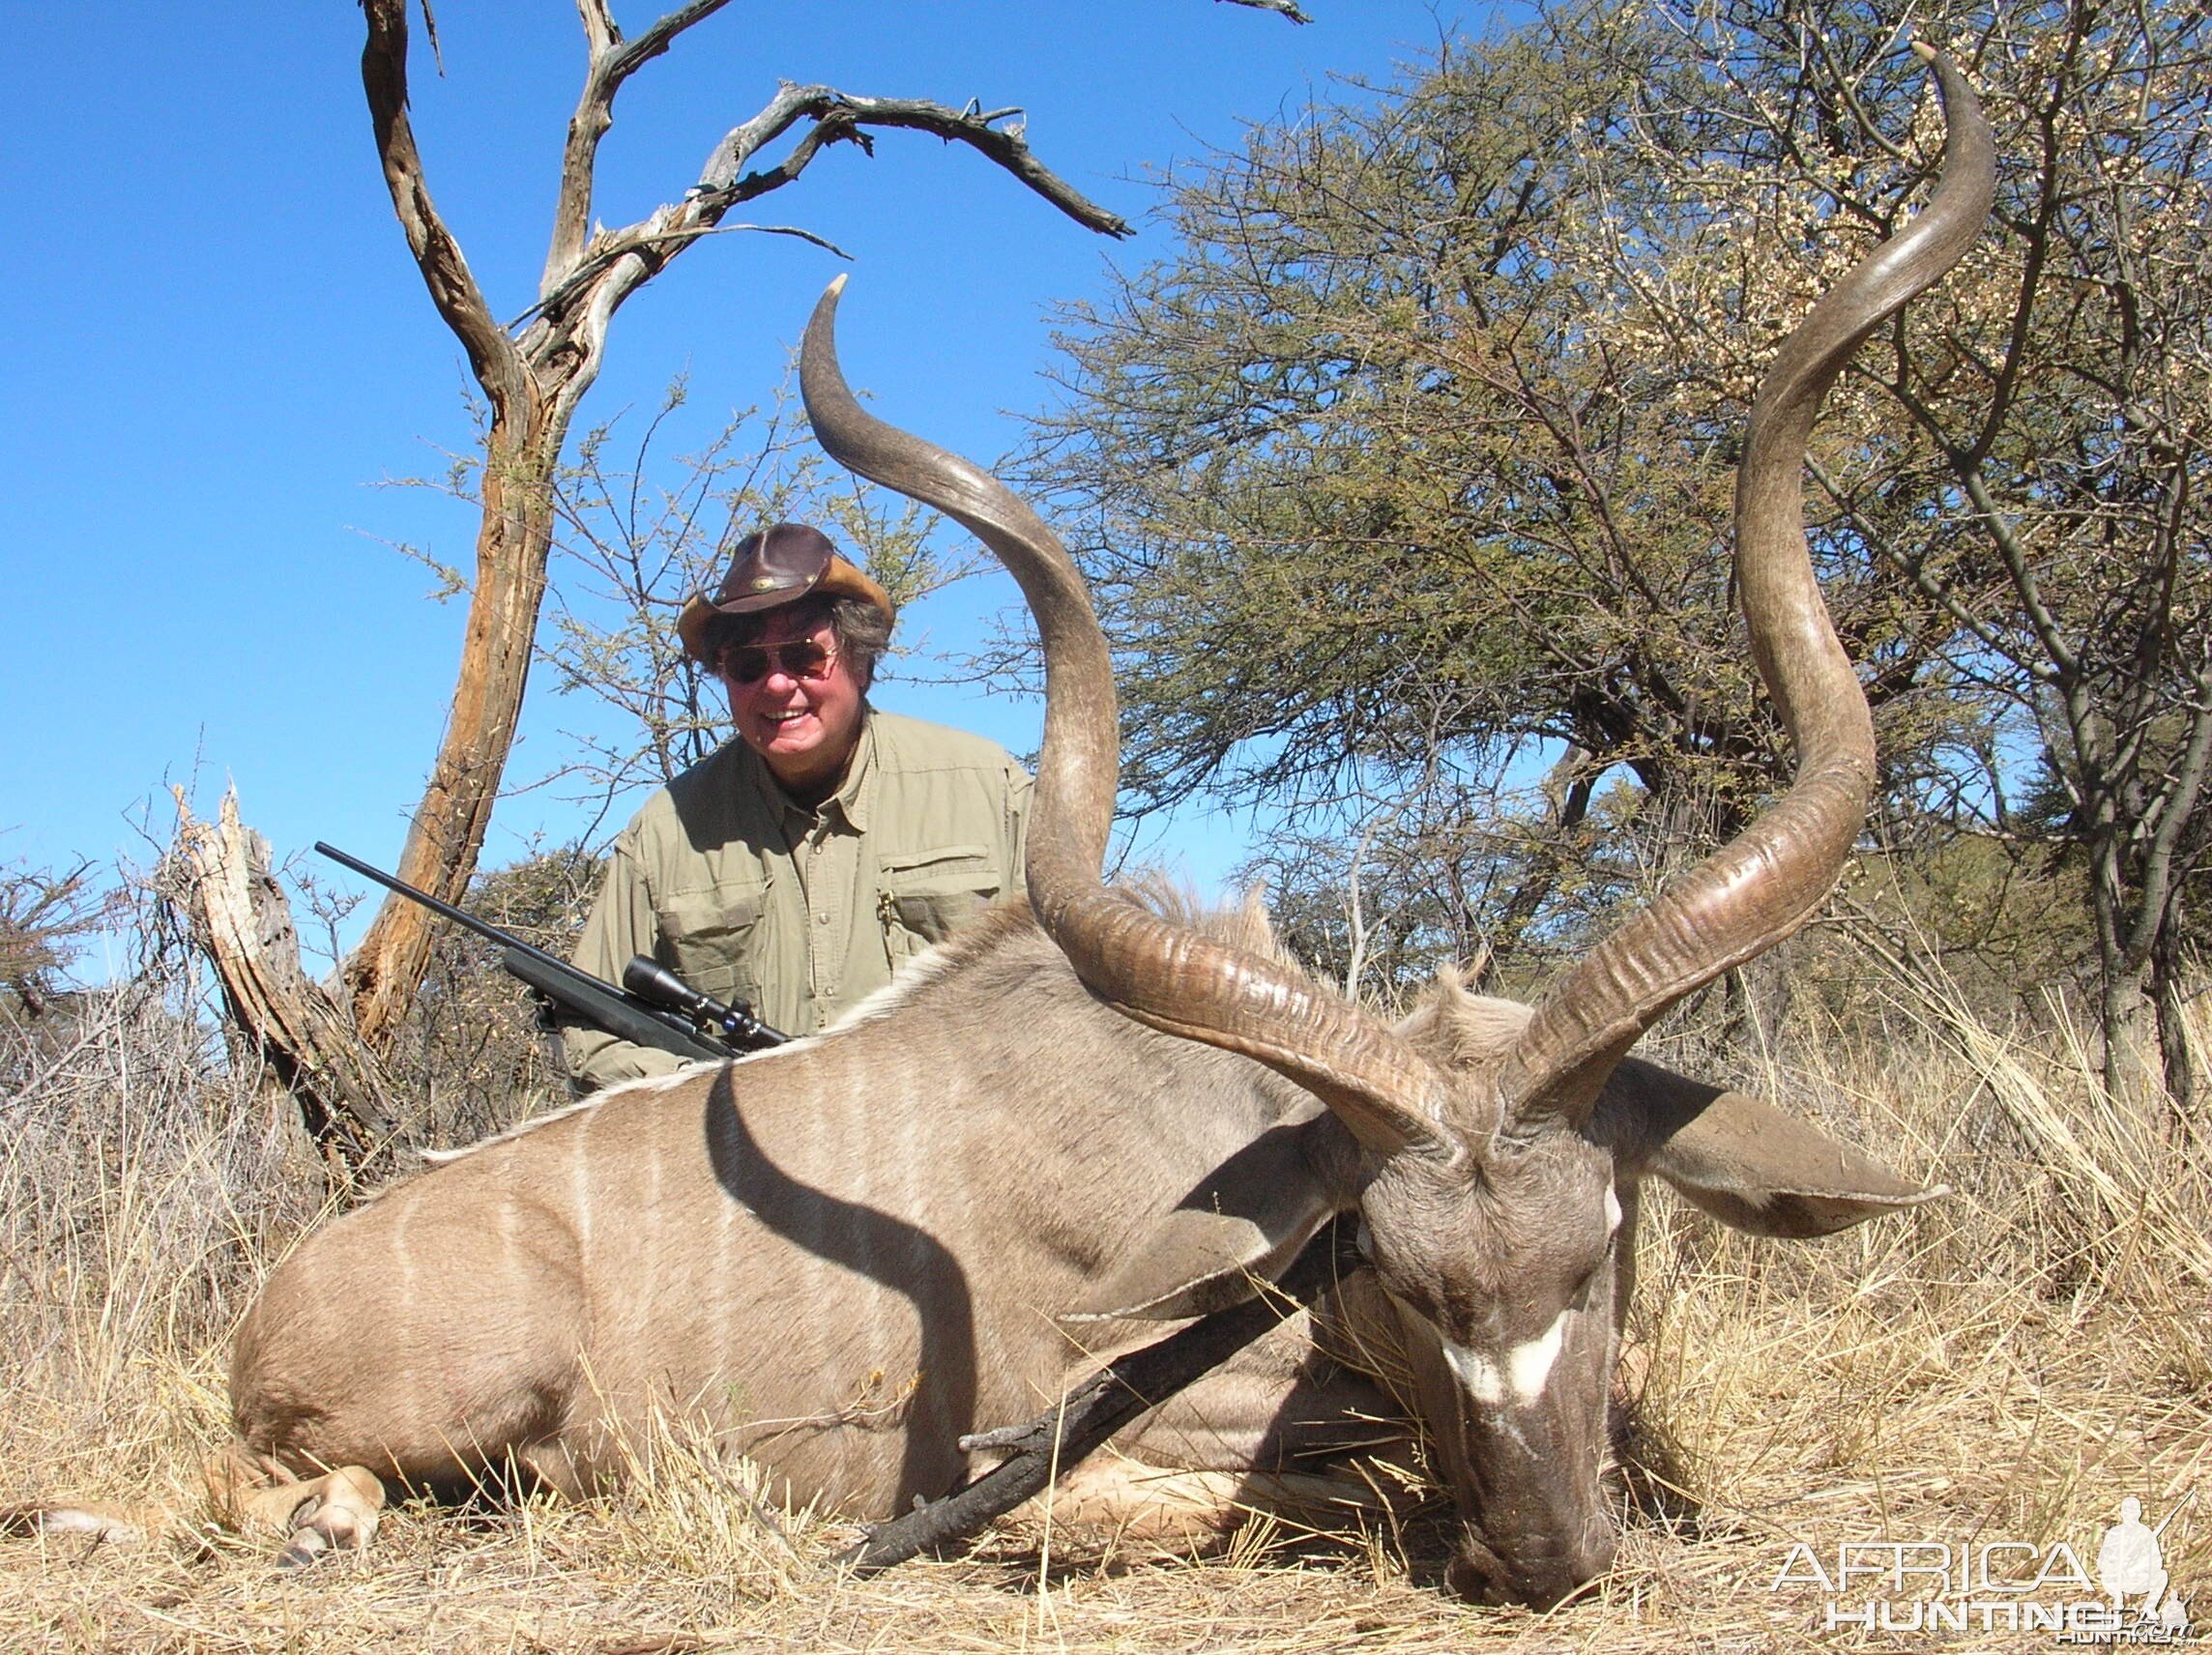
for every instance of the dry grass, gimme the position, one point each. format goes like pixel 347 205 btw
pixel 2006 1363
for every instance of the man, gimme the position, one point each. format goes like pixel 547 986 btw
pixel 799 866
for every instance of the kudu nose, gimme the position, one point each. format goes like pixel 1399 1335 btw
pixel 1537 1576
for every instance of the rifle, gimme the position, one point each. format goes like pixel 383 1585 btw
pixel 652 1007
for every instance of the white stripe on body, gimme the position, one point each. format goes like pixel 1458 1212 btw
pixel 682 1077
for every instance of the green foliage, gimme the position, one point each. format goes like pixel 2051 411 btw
pixel 1408 473
pixel 1401 481
pixel 1372 472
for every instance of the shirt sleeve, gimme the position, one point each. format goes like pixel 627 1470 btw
pixel 621 925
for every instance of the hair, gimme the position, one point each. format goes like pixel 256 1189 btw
pixel 862 631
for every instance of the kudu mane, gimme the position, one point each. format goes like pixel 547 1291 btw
pixel 1460 1027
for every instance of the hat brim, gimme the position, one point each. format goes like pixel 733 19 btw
pixel 839 579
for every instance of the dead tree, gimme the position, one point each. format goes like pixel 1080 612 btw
pixel 535 370
pixel 287 1023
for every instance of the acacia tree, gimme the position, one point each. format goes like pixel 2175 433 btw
pixel 1394 490
pixel 1425 438
pixel 2041 488
pixel 533 372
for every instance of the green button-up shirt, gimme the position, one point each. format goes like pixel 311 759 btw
pixel 745 894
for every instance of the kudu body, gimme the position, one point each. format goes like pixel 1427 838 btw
pixel 841 1256
pixel 844 1254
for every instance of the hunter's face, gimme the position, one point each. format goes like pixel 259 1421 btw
pixel 796 703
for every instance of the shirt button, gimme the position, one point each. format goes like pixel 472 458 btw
pixel 822 918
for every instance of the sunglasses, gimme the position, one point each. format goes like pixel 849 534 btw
pixel 802 657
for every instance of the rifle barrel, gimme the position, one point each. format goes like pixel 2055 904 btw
pixel 483 928
pixel 623 1003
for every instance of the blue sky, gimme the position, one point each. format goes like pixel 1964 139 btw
pixel 220 347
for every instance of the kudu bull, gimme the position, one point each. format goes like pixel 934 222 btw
pixel 843 1255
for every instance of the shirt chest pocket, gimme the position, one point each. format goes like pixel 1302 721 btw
pixel 711 940
pixel 925 895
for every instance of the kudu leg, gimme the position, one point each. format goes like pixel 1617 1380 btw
pixel 336 1511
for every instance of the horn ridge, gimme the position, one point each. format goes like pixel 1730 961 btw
pixel 1764 883
pixel 1074 809
pixel 1152 971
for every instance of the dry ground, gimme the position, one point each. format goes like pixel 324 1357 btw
pixel 2005 1364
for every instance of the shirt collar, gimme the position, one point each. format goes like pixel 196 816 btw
pixel 855 798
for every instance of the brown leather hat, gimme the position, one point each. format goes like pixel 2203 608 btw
pixel 777 566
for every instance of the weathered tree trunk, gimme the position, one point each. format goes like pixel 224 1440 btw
pixel 2136 899
pixel 2173 999
pixel 2130 1035
pixel 447 833
pixel 217 874
pixel 2126 1006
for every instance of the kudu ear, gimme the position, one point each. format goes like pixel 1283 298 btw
pixel 1743 1160
pixel 1243 1226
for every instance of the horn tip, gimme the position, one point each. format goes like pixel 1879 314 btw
pixel 836 285
pixel 1921 50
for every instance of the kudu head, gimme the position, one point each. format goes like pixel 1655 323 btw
pixel 1484 1150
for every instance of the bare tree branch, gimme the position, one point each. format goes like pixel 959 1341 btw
pixel 453 290
pixel 841 117
pixel 656 40
pixel 574 310
pixel 1281 9
pixel 613 61
pixel 573 313
pixel 599 261
pixel 431 28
